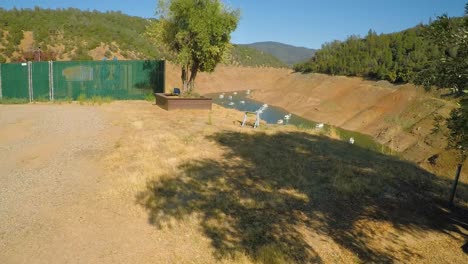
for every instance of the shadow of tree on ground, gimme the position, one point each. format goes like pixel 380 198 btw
pixel 256 198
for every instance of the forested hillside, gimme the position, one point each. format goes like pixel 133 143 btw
pixel 247 56
pixel 288 54
pixel 434 55
pixel 73 34
pixel 394 57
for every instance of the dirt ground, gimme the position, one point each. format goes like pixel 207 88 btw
pixel 128 182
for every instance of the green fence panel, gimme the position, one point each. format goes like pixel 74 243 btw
pixel 40 80
pixel 117 79
pixel 14 80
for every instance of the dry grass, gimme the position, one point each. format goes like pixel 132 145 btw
pixel 277 195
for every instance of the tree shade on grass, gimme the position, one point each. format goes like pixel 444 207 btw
pixel 267 189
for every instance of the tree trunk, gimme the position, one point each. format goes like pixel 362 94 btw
pixel 184 77
pixel 193 75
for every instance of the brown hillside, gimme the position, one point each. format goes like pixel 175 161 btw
pixel 398 116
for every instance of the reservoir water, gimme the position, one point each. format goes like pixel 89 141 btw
pixel 241 101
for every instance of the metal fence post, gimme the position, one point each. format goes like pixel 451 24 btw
pixel 1 92
pixel 30 84
pixel 50 90
pixel 455 183
pixel 52 74
pixel 51 81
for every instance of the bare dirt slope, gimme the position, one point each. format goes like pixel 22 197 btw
pixel 399 116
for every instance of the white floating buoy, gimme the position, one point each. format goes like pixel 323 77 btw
pixel 351 140
pixel 265 106
pixel 280 122
pixel 230 97
pixel 242 102
pixel 288 116
pixel 319 125
pixel 221 96
pixel 231 103
pixel 234 93
pixel 248 91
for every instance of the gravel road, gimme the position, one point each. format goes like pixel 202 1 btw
pixel 53 203
pixel 47 165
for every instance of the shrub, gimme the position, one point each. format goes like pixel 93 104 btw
pixel 81 99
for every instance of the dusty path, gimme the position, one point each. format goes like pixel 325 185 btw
pixel 53 203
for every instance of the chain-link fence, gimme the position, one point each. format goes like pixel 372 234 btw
pixel 67 80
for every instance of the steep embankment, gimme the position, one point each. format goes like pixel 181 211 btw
pixel 398 116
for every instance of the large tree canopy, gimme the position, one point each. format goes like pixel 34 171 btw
pixel 197 32
pixel 451 71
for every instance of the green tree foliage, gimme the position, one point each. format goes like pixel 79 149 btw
pixel 394 57
pixel 197 32
pixel 288 54
pixel 247 56
pixel 450 70
pixel 75 29
pixel 458 126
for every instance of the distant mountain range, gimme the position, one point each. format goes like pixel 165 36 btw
pixel 286 53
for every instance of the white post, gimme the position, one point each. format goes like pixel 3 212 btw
pixel 257 120
pixel 52 74
pixel 1 92
pixel 30 83
pixel 51 81
pixel 50 89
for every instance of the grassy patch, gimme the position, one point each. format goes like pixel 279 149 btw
pixel 42 99
pixel 404 123
pixel 266 184
pixel 95 99
pixel 150 97
pixel 6 100
pixel 273 254
pixel 210 119
pixel 82 99
pixel 67 99
pixel 100 100
pixel 281 194
pixel 190 94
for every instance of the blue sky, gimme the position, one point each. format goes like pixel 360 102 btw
pixel 308 23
